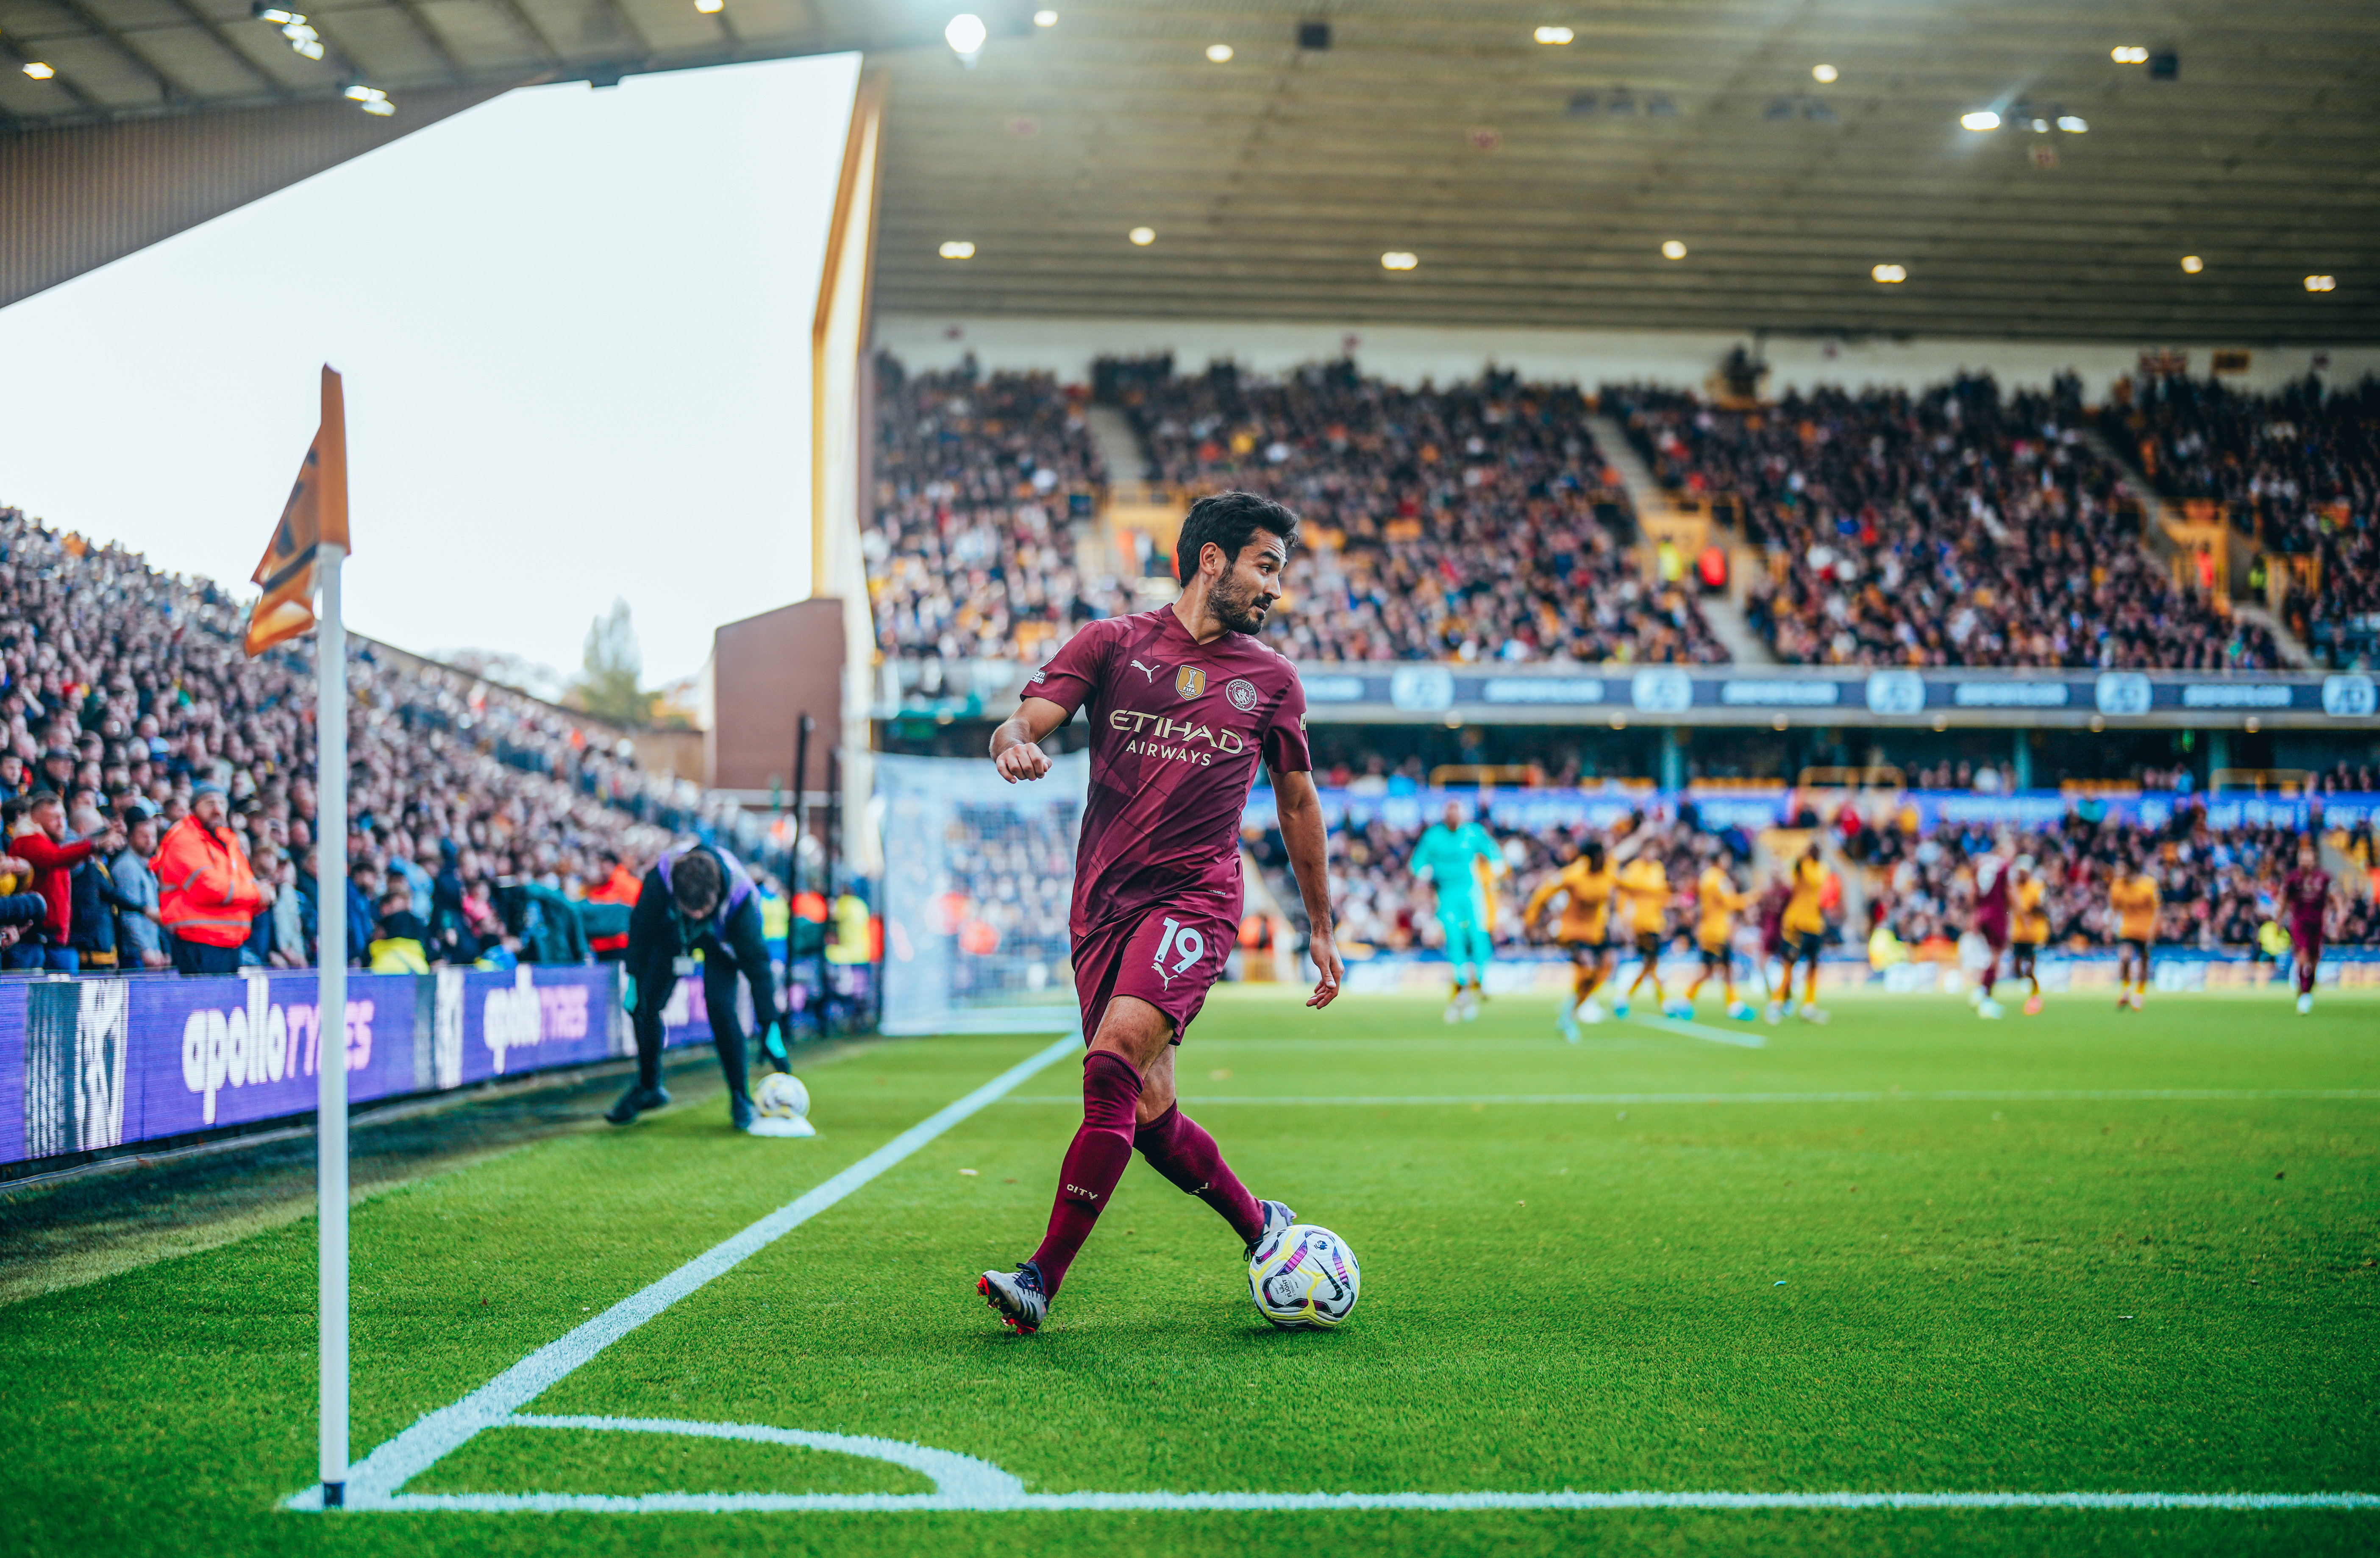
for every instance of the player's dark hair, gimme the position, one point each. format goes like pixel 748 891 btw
pixel 1231 520
pixel 696 881
pixel 1594 853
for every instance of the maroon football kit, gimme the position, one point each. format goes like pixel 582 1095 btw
pixel 1177 730
pixel 2306 895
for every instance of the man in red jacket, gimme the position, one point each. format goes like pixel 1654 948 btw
pixel 206 896
pixel 54 856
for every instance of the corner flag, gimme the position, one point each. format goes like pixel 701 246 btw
pixel 308 547
pixel 315 513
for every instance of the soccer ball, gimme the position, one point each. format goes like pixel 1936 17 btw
pixel 781 1096
pixel 1303 1277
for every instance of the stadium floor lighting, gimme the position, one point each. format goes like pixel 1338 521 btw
pixel 1554 35
pixel 1219 52
pixel 1399 260
pixel 1824 74
pixel 2073 124
pixel 1672 249
pixel 1981 119
pixel 1143 236
pixel 2322 284
pixel 957 249
pixel 39 72
pixel 1890 275
pixel 1045 18
pixel 2192 263
pixel 2129 53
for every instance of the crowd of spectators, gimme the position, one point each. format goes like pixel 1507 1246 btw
pixel 1956 526
pixel 979 483
pixel 135 733
pixel 1473 522
pixel 2219 886
pixel 2298 469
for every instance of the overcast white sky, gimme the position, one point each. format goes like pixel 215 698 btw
pixel 575 332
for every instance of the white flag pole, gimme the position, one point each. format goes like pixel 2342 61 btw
pixel 331 1023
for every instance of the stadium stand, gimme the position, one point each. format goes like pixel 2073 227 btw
pixel 1473 523
pixel 2297 471
pixel 971 553
pixel 126 687
pixel 1955 527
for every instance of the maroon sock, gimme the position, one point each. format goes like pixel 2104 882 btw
pixel 2305 974
pixel 1179 1148
pixel 1094 1162
pixel 1991 977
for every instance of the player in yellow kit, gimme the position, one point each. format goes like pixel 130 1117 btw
pixel 1587 884
pixel 1806 927
pixel 2028 930
pixel 1645 888
pixel 2132 897
pixel 1717 903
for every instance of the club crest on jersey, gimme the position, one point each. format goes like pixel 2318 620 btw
pixel 1242 693
pixel 1189 682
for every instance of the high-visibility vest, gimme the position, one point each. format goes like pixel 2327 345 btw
pixel 204 891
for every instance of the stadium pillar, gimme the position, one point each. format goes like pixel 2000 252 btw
pixel 2020 762
pixel 1673 760
pixel 2218 753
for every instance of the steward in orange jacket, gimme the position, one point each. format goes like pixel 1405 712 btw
pixel 206 896
pixel 607 931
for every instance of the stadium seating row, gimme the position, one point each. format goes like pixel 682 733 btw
pixel 2299 471
pixel 1956 526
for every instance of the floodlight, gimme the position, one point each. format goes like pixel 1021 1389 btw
pixel 1890 275
pixel 965 35
pixel 2322 284
pixel 2073 124
pixel 2192 263
pixel 1143 237
pixel 1672 249
pixel 1045 18
pixel 1823 73
pixel 957 249
pixel 1219 52
pixel 1554 35
pixel 1399 260
pixel 39 72
pixel 1981 119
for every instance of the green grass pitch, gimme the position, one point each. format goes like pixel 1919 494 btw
pixel 1645 1261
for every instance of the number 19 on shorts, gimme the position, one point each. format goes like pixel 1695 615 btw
pixel 1182 939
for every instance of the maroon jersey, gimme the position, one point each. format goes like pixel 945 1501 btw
pixel 1992 896
pixel 1177 729
pixel 2305 894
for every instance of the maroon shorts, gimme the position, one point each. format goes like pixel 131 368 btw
pixel 1994 931
pixel 2305 939
pixel 1168 955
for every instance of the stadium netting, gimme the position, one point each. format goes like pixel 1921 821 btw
pixel 977 876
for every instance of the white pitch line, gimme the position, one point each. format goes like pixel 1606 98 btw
pixel 1444 1100
pixel 967 1484
pixel 438 1434
pixel 897 1503
pixel 1743 1041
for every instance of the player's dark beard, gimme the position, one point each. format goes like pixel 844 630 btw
pixel 1232 608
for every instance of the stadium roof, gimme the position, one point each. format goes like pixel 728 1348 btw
pixel 1536 183
pixel 1533 183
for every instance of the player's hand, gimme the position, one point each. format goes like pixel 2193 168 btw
pixel 1324 950
pixel 1024 761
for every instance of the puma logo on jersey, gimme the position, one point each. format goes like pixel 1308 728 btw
pixel 1148 671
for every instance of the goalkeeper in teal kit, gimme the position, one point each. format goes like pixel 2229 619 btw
pixel 1447 857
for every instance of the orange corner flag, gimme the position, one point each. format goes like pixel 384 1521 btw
pixel 316 513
